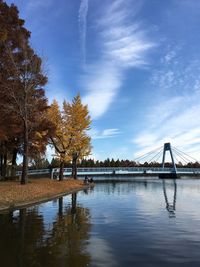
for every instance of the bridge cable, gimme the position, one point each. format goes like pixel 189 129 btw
pixel 177 161
pixel 155 156
pixel 147 154
pixel 158 156
pixel 186 154
pixel 181 156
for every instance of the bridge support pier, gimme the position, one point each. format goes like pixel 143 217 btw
pixel 169 175
pixel 173 175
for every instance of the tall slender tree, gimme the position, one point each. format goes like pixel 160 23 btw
pixel 78 123
pixel 21 81
pixel 11 30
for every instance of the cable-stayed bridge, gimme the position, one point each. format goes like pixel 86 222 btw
pixel 159 154
pixel 176 157
pixel 117 171
pixel 165 169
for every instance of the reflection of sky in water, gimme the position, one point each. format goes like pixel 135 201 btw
pixel 49 211
pixel 141 223
pixel 133 220
pixel 102 254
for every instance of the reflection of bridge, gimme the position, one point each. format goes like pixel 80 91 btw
pixel 170 206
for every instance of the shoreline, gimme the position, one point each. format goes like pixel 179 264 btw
pixel 48 190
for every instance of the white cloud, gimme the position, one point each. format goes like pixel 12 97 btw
pixel 102 85
pixel 181 129
pixel 104 134
pixel 110 132
pixel 83 11
pixel 175 115
pixel 170 56
pixel 122 45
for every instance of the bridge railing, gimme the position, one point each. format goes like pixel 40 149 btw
pixel 33 172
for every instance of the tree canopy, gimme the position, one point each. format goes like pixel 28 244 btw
pixel 71 140
pixel 23 104
pixel 27 123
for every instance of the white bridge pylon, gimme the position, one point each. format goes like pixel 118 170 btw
pixel 167 147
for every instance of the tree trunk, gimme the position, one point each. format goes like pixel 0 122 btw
pixel 74 168
pixel 1 165
pixel 14 159
pixel 25 156
pixel 61 171
pixel 4 169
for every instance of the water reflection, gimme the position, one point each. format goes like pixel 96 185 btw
pixel 130 226
pixel 69 235
pixel 170 206
pixel 88 190
pixel 114 224
pixel 25 242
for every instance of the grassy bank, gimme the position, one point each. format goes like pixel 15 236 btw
pixel 14 195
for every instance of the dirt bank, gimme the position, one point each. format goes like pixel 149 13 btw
pixel 13 195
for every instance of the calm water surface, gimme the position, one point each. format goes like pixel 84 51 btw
pixel 138 223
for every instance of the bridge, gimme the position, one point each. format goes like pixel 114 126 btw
pixel 118 171
pixel 130 171
pixel 163 172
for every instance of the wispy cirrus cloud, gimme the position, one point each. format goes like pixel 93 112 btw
pixel 174 117
pixel 122 45
pixel 102 82
pixel 83 12
pixel 104 134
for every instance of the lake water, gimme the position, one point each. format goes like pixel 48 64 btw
pixel 136 223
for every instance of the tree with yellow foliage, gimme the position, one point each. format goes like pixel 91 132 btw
pixel 78 123
pixel 59 139
pixel 70 139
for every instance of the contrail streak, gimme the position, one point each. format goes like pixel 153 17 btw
pixel 82 19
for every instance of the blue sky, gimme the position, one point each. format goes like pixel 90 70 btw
pixel 135 63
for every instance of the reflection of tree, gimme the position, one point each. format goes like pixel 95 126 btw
pixel 60 206
pixel 24 241
pixel 171 207
pixel 20 237
pixel 7 233
pixel 73 208
pixel 66 246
